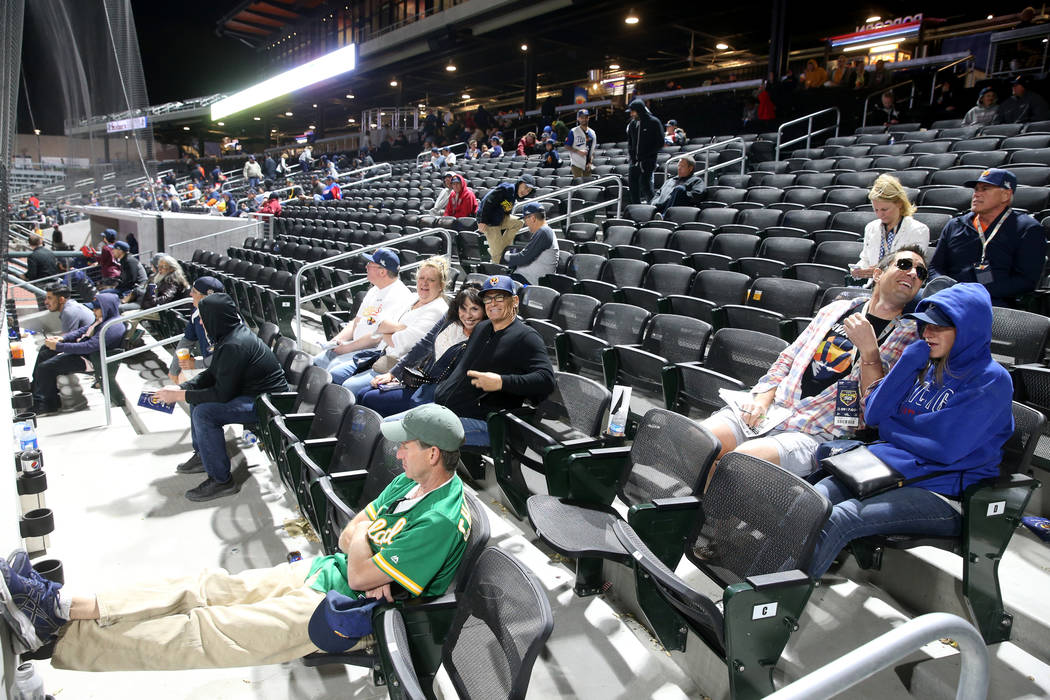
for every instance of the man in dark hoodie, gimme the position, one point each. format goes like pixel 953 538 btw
pixel 68 354
pixel 494 218
pixel 242 368
pixel 131 284
pixel 645 138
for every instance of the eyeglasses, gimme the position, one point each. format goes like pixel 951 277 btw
pixel 496 299
pixel 905 264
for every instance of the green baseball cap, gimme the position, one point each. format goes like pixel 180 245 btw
pixel 429 423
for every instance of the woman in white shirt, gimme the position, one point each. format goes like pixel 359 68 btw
pixel 893 228
pixel 399 336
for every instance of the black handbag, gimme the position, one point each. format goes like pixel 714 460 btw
pixel 413 377
pixel 865 475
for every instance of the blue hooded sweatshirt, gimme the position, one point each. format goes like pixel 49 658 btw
pixel 84 340
pixel 960 425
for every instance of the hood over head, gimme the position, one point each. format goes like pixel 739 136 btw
pixel 456 176
pixel 638 105
pixel 110 305
pixel 218 315
pixel 969 306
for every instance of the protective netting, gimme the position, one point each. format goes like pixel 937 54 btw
pixel 99 78
pixel 11 16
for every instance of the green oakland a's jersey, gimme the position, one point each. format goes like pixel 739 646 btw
pixel 419 548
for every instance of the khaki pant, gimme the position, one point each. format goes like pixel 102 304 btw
pixel 212 620
pixel 581 172
pixel 499 237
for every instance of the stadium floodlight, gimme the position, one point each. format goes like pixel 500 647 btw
pixel 327 66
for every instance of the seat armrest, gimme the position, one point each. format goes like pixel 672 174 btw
pixel 663 525
pixel 763 582
pixel 590 477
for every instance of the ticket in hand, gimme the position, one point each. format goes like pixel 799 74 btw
pixel 147 399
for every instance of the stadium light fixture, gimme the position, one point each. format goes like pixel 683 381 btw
pixel 393 83
pixel 451 67
pixel 465 96
pixel 877 47
pixel 349 95
pixel 258 119
pixel 221 123
pixel 287 114
pixel 990 17
pixel 524 47
pixel 614 66
pixel 631 18
pixel 311 127
pixel 721 46
pixel 185 128
pixel 873 18
pixel 309 73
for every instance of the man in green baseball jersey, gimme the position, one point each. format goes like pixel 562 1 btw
pixel 413 535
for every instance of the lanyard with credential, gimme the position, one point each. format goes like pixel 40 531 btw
pixel 986 241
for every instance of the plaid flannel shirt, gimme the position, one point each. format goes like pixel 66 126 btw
pixel 815 415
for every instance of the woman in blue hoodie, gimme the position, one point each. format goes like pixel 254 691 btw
pixel 944 407
pixel 69 353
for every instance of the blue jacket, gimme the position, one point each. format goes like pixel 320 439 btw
pixel 1015 255
pixel 84 340
pixel 499 201
pixel 960 425
pixel 195 332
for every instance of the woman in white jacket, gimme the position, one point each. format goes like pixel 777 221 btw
pixel 893 228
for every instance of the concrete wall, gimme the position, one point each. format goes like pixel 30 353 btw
pixel 221 232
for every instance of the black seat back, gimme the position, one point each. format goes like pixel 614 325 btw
pixel 670 456
pixel 328 413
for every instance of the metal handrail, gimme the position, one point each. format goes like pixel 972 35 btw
pixel 32 288
pixel 22 283
pixel 365 169
pixel 300 299
pixel 451 146
pixel 880 91
pixel 891 647
pixel 105 360
pixel 966 59
pixel 706 150
pixel 809 129
pixel 555 195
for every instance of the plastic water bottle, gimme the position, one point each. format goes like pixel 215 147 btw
pixel 28 685
pixel 27 438
pixel 249 438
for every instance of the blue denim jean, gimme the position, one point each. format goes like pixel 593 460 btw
pixel 907 511
pixel 342 367
pixel 358 384
pixel 207 423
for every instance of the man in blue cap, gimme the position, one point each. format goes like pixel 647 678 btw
pixel 387 298
pixel 540 256
pixel 412 537
pixel 994 245
pixel 504 363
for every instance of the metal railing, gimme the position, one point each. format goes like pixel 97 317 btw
pixel 250 224
pixel 881 92
pixel 426 154
pixel 378 166
pixel 567 216
pixel 808 136
pixel 897 644
pixel 298 281
pixel 966 59
pixel 707 150
pixel 105 360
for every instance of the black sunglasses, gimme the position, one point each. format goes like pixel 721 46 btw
pixel 905 264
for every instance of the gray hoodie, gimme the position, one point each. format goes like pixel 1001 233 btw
pixel 981 115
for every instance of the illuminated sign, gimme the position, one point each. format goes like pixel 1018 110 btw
pixel 323 68
pixel 126 124
pixel 896 29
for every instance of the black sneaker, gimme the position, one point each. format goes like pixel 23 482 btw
pixel 210 489
pixel 44 410
pixel 193 465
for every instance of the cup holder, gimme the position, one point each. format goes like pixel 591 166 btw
pixel 37 523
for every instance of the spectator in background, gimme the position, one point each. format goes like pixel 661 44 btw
pixel 169 283
pixel 581 142
pixel 472 152
pixel 860 72
pixel 359 341
pixel 674 136
pixel 269 168
pixel 527 144
pixel 814 76
pixel 330 190
pixel 71 313
pixel 436 161
pixel 986 111
pixel 316 186
pixel 551 159
pixel 252 172
pixel 461 200
pixel 306 160
pixel 40 263
pixel 561 131
pixel 645 138
pixel 58 243
pixel 272 205
pixel 494 213
pixel 540 255
pixel 230 207
pixel 495 146
pixel 283 168
pixel 893 227
pixel 880 78
pixel 1023 105
pixel 131 285
pixel 944 101
pixel 844 74
pixel 217 178
pixel 994 245
pixel 887 112
pixel 109 267
pixel 685 190
pixel 443 196
pixel 448 156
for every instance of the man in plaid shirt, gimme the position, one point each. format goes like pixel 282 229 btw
pixel 857 339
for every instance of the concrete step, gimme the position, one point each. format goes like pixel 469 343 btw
pixel 1014 674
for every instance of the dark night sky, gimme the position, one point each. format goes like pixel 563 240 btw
pixel 181 57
